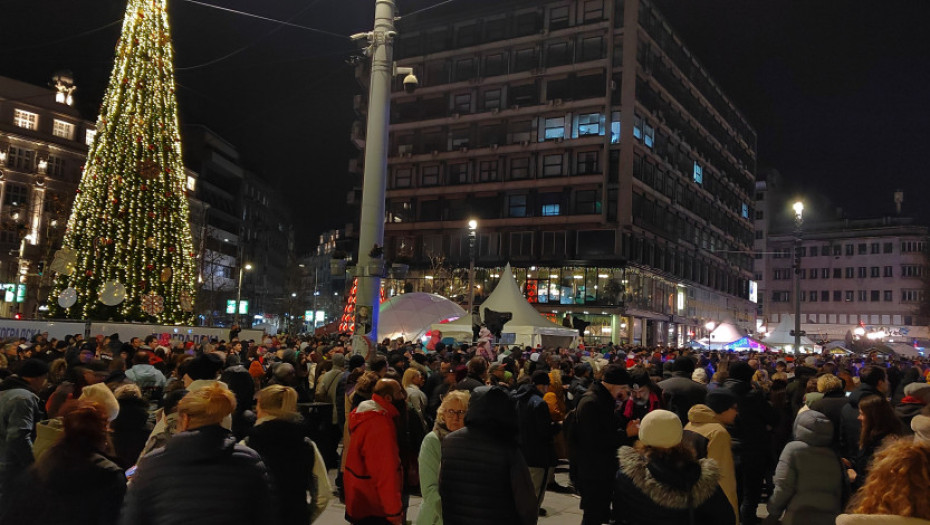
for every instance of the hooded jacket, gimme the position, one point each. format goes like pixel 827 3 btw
pixel 146 376
pixel 19 412
pixel 703 420
pixel 681 393
pixel 536 429
pixel 849 419
pixel 201 476
pixel 483 477
pixel 372 479
pixel 809 479
pixel 655 493
pixel 750 430
pixel 831 405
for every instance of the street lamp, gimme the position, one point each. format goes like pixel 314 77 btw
pixel 242 268
pixel 798 223
pixel 472 233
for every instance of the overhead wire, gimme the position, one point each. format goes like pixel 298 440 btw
pixel 61 40
pixel 267 19
pixel 427 8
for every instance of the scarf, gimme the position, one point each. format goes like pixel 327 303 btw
pixel 440 430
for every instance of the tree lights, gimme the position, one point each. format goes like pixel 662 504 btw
pixel 130 221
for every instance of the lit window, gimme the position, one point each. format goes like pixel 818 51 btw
pixel 89 136
pixel 555 128
pixel 549 210
pixel 589 124
pixel 191 184
pixel 63 129
pixel 649 134
pixel 698 173
pixel 25 119
pixel 745 211
pixel 637 127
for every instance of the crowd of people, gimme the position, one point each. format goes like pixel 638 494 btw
pixel 146 431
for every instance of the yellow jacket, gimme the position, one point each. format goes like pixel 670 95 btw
pixel 703 420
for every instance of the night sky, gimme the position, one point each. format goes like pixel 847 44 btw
pixel 836 90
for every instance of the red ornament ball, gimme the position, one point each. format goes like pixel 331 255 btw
pixel 151 147
pixel 149 267
pixel 151 215
pixel 144 187
pixel 89 273
pixel 171 249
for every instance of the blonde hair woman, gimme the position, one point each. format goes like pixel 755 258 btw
pixel 449 417
pixel 279 436
pixel 201 472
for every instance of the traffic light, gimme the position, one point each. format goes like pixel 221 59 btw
pixel 17 316
pixel 40 267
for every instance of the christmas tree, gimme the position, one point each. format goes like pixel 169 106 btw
pixel 127 252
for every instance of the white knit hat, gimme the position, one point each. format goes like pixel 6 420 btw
pixel 921 427
pixel 101 394
pixel 660 429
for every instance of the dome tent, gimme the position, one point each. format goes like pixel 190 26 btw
pixel 409 316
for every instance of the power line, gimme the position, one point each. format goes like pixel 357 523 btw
pixel 282 22
pixel 427 8
pixel 60 40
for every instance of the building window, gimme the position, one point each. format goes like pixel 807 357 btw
pixel 557 54
pixel 825 273
pixel 487 171
pixel 516 206
pixel 813 273
pixel 464 69
pixel 637 127
pixel 850 272
pixel 55 167
pixel 698 174
pixel 615 127
pixel 592 48
pixel 781 297
pixel 495 29
pixel 589 124
pixel 553 243
pixel 587 163
pixel 825 296
pixel 520 131
pixel 521 244
pixel 837 273
pixel 458 173
pixel 875 248
pixel 554 128
pixel 550 204
pixel 875 271
pixel 495 65
pixel 492 99
pixel 745 211
pixel 813 296
pixel 462 103
pixel 888 247
pixel 888 272
pixel 558 18
pixel 16 195
pixel 909 270
pixel 520 168
pixel 863 296
pixel 863 248
pixel 63 129
pixel 849 296
pixel 850 249
pixel 593 11
pixel 862 272
pixel 467 35
pixel 649 134
pixel 587 203
pixel 837 296
pixel 524 59
pixel 89 136
pixel 552 165
pixel 912 246
pixel 430 176
pixel 25 119
pixel 888 296
pixel 21 159
pixel 875 296
pixel 912 296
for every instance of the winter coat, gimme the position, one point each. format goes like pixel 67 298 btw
pixel 594 440
pixel 372 479
pixel 849 421
pixel 295 466
pixel 470 383
pixel 681 393
pixel 578 387
pixel 809 478
pixel 749 432
pixel 483 477
pixel 703 420
pixel 878 519
pixel 201 476
pixel 146 376
pixel 907 409
pixel 81 491
pixel 536 429
pixel 130 430
pixel 19 412
pixel 429 460
pixel 831 405
pixel 655 493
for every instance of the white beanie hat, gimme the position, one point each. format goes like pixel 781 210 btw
pixel 921 427
pixel 101 394
pixel 660 429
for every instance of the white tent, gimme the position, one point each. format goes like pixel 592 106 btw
pixel 409 316
pixel 904 350
pixel 781 336
pixel 528 326
pixel 724 334
pixel 459 330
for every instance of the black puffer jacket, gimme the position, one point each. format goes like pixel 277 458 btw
pixel 130 430
pixel 483 477
pixel 289 456
pixel 203 477
pixel 654 493
pixel 850 427
pixel 750 430
pixel 537 431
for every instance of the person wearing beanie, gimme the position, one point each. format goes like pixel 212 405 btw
pixel 916 396
pixel 679 391
pixel 661 481
pixel 709 420
pixel 809 480
pixel 594 434
pixel 19 413
pixel 920 426
pixel 749 434
pixel 536 432
pixel 644 396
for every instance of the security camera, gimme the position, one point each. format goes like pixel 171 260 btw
pixel 411 83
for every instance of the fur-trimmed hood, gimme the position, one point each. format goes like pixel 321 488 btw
pixel 658 482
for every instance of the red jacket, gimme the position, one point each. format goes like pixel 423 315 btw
pixel 372 479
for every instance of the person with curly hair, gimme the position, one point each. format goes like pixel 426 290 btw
pixel 895 492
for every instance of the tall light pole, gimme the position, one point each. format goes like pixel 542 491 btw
pixel 798 223
pixel 472 234
pixel 242 269
pixel 374 185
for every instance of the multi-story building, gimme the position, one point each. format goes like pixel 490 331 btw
pixel 866 274
pixel 596 154
pixel 43 146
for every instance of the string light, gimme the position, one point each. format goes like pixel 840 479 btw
pixel 130 220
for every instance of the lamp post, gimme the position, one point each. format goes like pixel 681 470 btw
pixel 798 223
pixel 242 269
pixel 472 234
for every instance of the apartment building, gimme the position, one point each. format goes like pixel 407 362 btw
pixel 596 154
